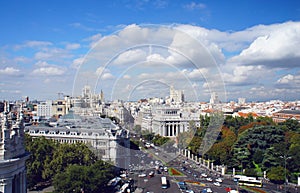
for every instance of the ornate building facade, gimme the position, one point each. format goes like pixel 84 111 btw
pixel 12 153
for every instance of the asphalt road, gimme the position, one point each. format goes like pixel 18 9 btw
pixel 145 161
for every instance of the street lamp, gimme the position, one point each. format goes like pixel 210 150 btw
pixel 285 180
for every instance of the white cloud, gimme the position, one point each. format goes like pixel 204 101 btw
pixel 77 62
pixel 107 76
pixel 286 79
pixel 101 70
pixel 130 57
pixel 54 54
pixel 194 5
pixel 34 44
pixel 72 46
pixel 276 48
pixel 48 71
pixel 9 71
pixel 250 60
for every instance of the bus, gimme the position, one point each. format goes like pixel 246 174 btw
pixel 248 181
pixel 164 183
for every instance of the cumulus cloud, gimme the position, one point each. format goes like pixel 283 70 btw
pixel 107 76
pixel 277 48
pixel 48 71
pixel 286 79
pixel 248 60
pixel 130 57
pixel 9 71
pixel 53 54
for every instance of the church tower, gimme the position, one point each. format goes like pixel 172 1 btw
pixel 12 152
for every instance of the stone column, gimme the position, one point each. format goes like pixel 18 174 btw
pixel 212 166
pixel 223 171
pixel 208 163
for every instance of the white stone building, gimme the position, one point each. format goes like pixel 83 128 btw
pixel 12 154
pixel 169 121
pixel 44 109
pixel 109 141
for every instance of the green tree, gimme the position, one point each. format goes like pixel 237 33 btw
pixel 41 153
pixel 276 175
pixel 76 178
pixel 69 154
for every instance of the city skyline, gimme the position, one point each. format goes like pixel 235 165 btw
pixel 136 49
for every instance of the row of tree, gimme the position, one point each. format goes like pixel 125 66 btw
pixel 249 145
pixel 69 167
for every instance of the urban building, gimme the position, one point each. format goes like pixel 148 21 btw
pixel 214 99
pixel 169 121
pixel 176 96
pixel 12 153
pixel 109 141
pixel 283 115
pixel 44 109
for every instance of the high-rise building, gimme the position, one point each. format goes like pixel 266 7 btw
pixel 176 96
pixel 214 99
pixel 241 101
pixel 12 153
pixel 44 109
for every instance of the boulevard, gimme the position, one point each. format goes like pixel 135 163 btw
pixel 198 177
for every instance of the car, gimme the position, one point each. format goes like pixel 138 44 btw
pixel 189 191
pixel 217 184
pixel 219 180
pixel 151 174
pixel 182 185
pixel 165 169
pixel 209 179
pixel 142 175
pixel 209 190
pixel 123 175
pixel 204 175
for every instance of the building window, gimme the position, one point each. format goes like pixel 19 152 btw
pixel 59 109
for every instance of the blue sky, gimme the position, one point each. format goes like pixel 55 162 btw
pixel 43 43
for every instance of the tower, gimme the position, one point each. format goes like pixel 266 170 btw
pixel 12 153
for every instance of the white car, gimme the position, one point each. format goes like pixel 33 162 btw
pixel 209 190
pixel 151 174
pixel 142 175
pixel 219 180
pixel 204 175
pixel 189 191
pixel 209 179
pixel 217 184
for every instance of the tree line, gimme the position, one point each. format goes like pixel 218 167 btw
pixel 252 146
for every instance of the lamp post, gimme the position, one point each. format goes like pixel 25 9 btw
pixel 285 179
